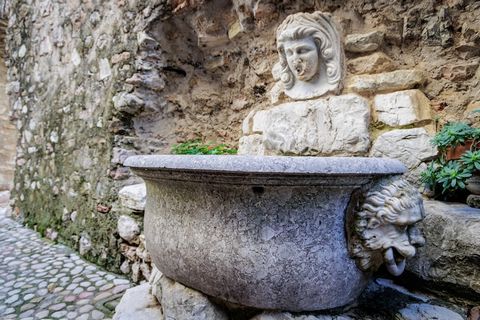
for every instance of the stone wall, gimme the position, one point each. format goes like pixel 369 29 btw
pixel 7 128
pixel 7 136
pixel 67 60
pixel 92 82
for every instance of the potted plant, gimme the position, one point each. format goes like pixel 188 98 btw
pixel 455 139
pixel 445 178
pixel 456 168
pixel 471 160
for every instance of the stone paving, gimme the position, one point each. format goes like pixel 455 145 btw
pixel 41 280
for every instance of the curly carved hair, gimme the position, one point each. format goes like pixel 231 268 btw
pixel 393 201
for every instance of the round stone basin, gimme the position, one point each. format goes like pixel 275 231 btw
pixel 264 232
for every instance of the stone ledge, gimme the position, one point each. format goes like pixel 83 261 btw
pixel 385 82
pixel 451 254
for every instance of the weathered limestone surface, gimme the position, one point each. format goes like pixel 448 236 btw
pixel 138 303
pixel 423 311
pixel 258 207
pixel 334 126
pixel 128 228
pixel 385 82
pixel 180 302
pixel 373 63
pixel 410 146
pixel 402 108
pixel 252 144
pixel 450 256
pixel 85 80
pixel 364 42
pixel 133 197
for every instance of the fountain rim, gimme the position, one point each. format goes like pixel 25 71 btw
pixel 267 165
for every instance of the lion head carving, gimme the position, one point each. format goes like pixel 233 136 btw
pixel 384 226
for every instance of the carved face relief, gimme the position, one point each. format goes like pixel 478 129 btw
pixel 384 226
pixel 302 58
pixel 311 59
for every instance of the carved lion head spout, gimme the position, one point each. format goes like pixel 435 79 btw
pixel 384 226
pixel 311 58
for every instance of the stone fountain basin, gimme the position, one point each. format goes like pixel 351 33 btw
pixel 264 232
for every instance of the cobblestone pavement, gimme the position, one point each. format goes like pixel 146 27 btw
pixel 40 280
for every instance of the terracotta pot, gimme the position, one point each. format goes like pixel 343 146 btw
pixel 455 153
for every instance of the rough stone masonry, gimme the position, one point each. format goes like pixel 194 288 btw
pixel 92 82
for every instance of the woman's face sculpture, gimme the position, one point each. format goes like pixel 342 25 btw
pixel 302 58
pixel 310 56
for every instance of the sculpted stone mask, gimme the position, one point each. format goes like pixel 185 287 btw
pixel 310 56
pixel 384 226
pixel 302 58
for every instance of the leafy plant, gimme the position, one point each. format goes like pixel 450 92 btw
pixel 430 175
pixel 453 176
pixel 471 159
pixel 450 176
pixel 198 147
pixel 453 134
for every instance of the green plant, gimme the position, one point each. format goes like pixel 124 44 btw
pixel 471 159
pixel 446 178
pixel 197 147
pixel 430 175
pixel 453 134
pixel 453 176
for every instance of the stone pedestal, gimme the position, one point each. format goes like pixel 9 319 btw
pixel 165 299
pixel 450 258
pixel 329 126
pixel 263 232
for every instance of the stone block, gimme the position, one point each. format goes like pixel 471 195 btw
pixel 290 316
pixel 261 121
pixel 450 257
pixel 373 63
pixel 180 302
pixel 402 108
pixel 128 228
pixel 410 146
pixel 423 311
pixel 334 126
pixel 252 145
pixel 133 197
pixel 460 72
pixel 104 69
pixel 365 42
pixel 386 82
pixel 138 303
pixel 128 103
